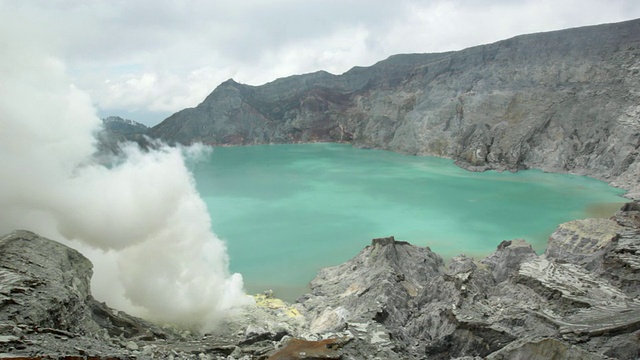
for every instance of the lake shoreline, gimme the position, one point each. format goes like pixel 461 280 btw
pixel 374 173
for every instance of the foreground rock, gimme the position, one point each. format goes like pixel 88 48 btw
pixel 47 311
pixel 46 307
pixel 563 101
pixel 394 300
pixel 577 301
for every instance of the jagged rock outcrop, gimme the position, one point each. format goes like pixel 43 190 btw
pixel 578 300
pixel 563 101
pixel 46 306
pixel 47 312
pixel 394 300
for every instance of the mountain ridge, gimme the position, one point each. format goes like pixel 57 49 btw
pixel 561 101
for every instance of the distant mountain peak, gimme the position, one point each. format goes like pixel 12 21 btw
pixel 119 120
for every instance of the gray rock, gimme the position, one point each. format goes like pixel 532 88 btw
pixel 132 346
pixel 46 307
pixel 380 284
pixel 51 293
pixel 582 242
pixel 562 101
pixel 545 349
pixel 8 338
pixel 508 257
pixel 513 304
pixel 393 300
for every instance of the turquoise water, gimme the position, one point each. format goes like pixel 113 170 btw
pixel 285 211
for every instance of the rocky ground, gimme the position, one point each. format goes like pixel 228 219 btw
pixel 578 300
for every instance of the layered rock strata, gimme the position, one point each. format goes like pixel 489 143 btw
pixel 578 300
pixel 47 312
pixel 394 300
pixel 563 101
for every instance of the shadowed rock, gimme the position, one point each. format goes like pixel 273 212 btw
pixel 393 300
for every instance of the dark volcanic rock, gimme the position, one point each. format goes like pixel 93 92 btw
pixel 393 300
pixel 378 284
pixel 45 302
pixel 545 349
pixel 47 311
pixel 508 257
pixel 563 101
pixel 52 294
pixel 373 294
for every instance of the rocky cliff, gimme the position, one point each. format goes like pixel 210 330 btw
pixel 46 307
pixel 579 300
pixel 564 101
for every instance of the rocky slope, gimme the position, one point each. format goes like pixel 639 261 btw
pixel 122 126
pixel 116 131
pixel 579 300
pixel 47 312
pixel 565 101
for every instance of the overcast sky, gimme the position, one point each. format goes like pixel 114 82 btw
pixel 145 59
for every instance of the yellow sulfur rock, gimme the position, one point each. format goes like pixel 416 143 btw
pixel 267 301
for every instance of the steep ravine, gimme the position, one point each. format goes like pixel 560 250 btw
pixel 563 101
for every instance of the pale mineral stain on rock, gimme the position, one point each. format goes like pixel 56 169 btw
pixel 268 301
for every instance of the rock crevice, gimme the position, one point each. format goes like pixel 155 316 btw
pixel 393 300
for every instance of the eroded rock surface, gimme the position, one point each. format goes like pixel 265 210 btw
pixel 46 307
pixel 394 300
pixel 579 298
pixel 563 101
pixel 47 312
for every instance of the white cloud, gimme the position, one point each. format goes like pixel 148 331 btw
pixel 454 25
pixel 167 55
pixel 335 53
pixel 158 92
pixel 173 91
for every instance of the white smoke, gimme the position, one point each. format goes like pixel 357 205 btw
pixel 140 220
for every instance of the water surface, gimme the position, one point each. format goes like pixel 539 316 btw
pixel 285 211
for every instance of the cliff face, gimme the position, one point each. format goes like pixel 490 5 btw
pixel 46 307
pixel 564 101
